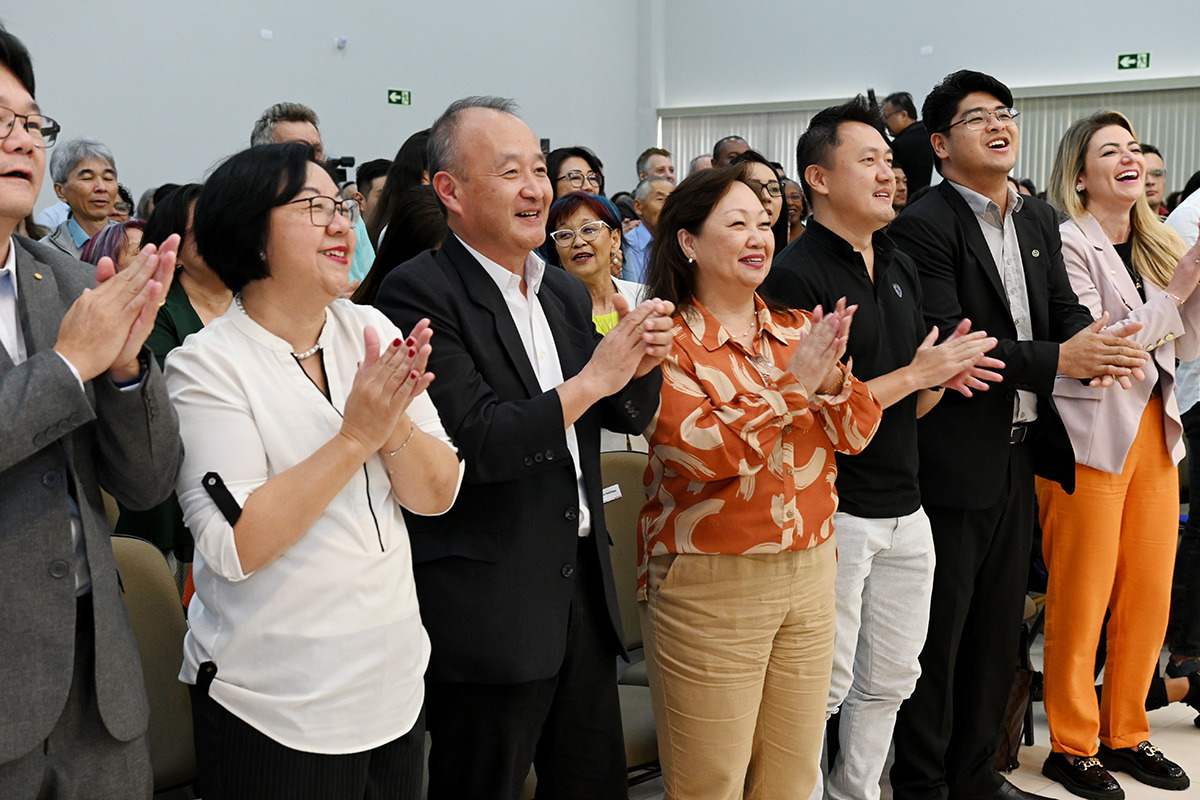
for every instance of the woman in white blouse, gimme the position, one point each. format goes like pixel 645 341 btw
pixel 303 440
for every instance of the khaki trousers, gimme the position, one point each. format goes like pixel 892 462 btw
pixel 1108 546
pixel 739 650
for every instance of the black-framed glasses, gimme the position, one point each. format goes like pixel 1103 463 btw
pixel 978 119
pixel 576 178
pixel 42 130
pixel 321 209
pixel 588 233
pixel 772 188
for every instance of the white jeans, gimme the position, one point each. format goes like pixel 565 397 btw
pixel 884 580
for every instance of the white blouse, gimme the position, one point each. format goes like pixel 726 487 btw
pixel 323 649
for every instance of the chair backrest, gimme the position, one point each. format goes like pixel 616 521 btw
pixel 152 600
pixel 624 470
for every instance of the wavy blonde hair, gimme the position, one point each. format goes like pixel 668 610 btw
pixel 1156 247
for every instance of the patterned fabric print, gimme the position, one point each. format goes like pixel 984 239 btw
pixel 740 460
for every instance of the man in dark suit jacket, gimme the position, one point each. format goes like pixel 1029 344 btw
pixel 986 254
pixel 911 150
pixel 82 405
pixel 515 582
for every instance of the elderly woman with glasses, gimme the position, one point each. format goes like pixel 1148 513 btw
pixel 586 233
pixel 306 429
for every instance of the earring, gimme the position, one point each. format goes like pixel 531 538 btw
pixel 691 259
pixel 612 257
pixel 1079 187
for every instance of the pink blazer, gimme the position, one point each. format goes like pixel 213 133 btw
pixel 1102 423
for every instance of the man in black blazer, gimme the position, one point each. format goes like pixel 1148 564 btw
pixel 984 253
pixel 515 582
pixel 82 406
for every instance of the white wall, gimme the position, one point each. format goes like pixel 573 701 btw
pixel 820 49
pixel 172 87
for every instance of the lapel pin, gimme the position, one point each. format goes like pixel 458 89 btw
pixel 1036 254
pixel 37 275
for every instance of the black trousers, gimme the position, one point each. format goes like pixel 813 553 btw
pixel 947 731
pixel 1184 631
pixel 235 761
pixel 486 736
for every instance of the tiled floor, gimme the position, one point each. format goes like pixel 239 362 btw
pixel 1171 729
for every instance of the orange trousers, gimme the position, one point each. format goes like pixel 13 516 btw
pixel 1109 546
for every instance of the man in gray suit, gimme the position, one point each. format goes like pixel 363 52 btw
pixel 82 405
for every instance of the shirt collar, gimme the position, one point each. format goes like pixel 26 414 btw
pixel 712 334
pixel 78 234
pixel 882 243
pixel 986 208
pixel 10 264
pixel 505 279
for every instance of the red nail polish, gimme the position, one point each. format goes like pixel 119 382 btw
pixel 396 343
pixel 412 351
pixel 410 341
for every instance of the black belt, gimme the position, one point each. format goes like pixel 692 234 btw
pixel 1018 433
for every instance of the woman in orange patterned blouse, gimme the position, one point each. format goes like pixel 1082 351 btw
pixel 736 551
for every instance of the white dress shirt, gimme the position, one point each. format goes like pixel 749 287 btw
pixel 1000 232
pixel 1185 219
pixel 535 334
pixel 13 339
pixel 322 649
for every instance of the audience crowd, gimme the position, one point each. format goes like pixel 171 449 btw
pixel 362 420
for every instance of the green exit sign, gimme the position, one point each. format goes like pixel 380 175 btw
pixel 399 97
pixel 1133 61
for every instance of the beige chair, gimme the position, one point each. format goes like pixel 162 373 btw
pixel 159 625
pixel 625 471
pixel 622 471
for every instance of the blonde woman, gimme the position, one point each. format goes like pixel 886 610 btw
pixel 1110 545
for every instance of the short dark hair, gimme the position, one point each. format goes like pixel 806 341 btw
pixel 170 215
pixel 716 153
pixel 233 213
pixel 819 141
pixel 644 158
pixel 941 104
pixel 369 171
pixel 555 159
pixel 902 101
pixel 1149 148
pixel 15 58
pixel 669 274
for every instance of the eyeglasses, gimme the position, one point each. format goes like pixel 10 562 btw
pixel 121 207
pixel 321 209
pixel 588 233
pixel 772 187
pixel 576 178
pixel 979 118
pixel 1157 173
pixel 42 130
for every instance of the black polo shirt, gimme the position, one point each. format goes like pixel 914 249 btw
pixel 819 268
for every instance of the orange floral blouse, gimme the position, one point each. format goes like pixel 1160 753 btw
pixel 741 460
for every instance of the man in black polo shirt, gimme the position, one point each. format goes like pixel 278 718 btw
pixel 885 547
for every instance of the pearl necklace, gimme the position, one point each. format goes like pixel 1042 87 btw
pixel 312 351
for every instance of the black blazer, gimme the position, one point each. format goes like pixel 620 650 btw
pixel 963 442
pixel 495 574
